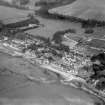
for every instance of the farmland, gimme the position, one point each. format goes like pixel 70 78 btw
pixel 86 9
pixel 9 15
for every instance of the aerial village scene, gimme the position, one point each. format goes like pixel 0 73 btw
pixel 52 52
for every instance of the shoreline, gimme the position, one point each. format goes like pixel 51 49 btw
pixel 66 76
pixel 70 77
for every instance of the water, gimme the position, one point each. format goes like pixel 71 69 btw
pixel 24 84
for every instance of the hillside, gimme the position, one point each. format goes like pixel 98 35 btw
pixel 86 9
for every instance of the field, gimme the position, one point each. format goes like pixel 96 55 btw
pixel 52 26
pixel 92 9
pixel 10 15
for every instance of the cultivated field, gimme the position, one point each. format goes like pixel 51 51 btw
pixel 10 15
pixel 92 9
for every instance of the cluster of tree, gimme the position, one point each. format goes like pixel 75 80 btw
pixel 101 84
pixel 92 23
pixel 22 23
pixel 58 36
pixel 7 33
pixel 100 57
pixel 89 23
pixel 52 3
pixel 99 70
pixel 89 31
pixel 64 48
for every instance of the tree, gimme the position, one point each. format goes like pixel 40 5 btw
pixel 101 84
pixel 57 37
pixel 98 68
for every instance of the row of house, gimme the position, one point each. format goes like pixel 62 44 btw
pixel 69 63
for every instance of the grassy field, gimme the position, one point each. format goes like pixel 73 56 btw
pixel 9 15
pixel 52 26
pixel 92 9
pixel 12 14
